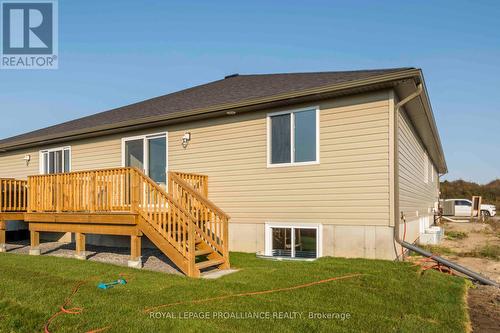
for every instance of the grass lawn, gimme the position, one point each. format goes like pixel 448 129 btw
pixel 388 297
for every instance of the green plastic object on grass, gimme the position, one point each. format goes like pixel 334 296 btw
pixel 103 285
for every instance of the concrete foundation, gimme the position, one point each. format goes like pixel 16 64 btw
pixel 134 263
pixel 81 256
pixel 34 252
pixel 215 274
pixel 350 241
pixel 3 248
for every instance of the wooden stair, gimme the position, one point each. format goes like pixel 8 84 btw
pixel 203 252
pixel 206 257
pixel 188 228
pixel 209 263
pixel 164 245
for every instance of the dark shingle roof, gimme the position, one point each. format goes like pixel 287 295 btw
pixel 229 90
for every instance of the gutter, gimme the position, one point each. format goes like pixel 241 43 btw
pixel 432 121
pixel 398 216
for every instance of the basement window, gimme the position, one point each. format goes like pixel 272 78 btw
pixel 293 241
pixel 56 160
pixel 293 137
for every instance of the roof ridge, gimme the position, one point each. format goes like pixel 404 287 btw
pixel 329 72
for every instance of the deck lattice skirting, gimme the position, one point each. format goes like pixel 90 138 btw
pixel 182 222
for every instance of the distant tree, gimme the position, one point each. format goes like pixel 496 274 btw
pixel 464 189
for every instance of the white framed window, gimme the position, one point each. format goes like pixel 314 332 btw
pixel 285 240
pixel 55 160
pixel 148 153
pixel 293 137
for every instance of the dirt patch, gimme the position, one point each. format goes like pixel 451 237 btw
pixel 463 250
pixel 477 235
pixel 484 309
pixel 463 247
pixel 486 267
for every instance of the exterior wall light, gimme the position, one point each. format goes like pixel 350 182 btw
pixel 185 139
pixel 27 159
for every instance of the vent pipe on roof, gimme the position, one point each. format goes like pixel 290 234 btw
pixel 231 75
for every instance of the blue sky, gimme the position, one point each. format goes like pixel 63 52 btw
pixel 114 53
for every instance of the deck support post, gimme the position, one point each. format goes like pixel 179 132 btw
pixel 135 252
pixel 80 246
pixel 35 243
pixel 2 236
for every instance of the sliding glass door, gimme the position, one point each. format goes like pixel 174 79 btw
pixel 134 153
pixel 157 159
pixel 148 153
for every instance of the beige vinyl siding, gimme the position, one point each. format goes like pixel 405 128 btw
pixel 96 153
pixel 349 186
pixel 417 197
pixel 13 165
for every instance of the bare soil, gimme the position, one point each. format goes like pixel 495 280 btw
pixel 478 235
pixel 484 309
pixel 483 301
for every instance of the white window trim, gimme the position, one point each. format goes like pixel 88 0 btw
pixel 292 138
pixel 268 243
pixel 41 168
pixel 145 137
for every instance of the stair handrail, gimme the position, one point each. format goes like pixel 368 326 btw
pixel 199 179
pixel 187 247
pixel 197 194
pixel 218 242
pixel 165 193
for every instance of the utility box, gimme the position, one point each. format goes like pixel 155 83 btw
pixel 448 207
pixel 432 236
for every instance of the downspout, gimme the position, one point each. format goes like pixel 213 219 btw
pixel 397 108
pixel 398 216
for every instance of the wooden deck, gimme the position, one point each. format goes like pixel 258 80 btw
pixel 182 222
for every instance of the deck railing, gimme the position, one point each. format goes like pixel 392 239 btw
pixel 212 222
pixel 115 190
pixel 197 181
pixel 166 215
pixel 13 195
pixel 86 191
